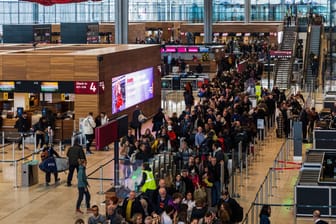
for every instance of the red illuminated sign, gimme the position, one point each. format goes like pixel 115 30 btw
pixel 86 87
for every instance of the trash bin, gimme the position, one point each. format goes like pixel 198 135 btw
pixel 30 173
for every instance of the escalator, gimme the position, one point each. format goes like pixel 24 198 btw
pixel 285 65
pixel 312 55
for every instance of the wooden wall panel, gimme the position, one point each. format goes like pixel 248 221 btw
pixel 86 68
pixel 55 28
pixel 62 67
pixel 84 104
pixel 1 67
pixel 136 30
pixel 38 67
pixel 14 67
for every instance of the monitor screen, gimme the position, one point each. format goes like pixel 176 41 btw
pixel 131 89
pixel 7 86
pixel 49 86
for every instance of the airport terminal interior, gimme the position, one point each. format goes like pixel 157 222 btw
pixel 257 76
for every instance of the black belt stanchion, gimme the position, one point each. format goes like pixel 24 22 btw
pixel 233 186
pixel 116 164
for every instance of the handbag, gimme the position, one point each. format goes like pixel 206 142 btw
pixel 142 118
pixel 200 194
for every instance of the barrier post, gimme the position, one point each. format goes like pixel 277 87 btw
pixel 116 164
pixel 233 183
pixel 262 194
pixel 266 190
pixel 246 166
pixel 13 151
pixel 270 182
pixel 16 179
pixel 60 147
pixel 101 175
pixel 256 206
pixel 3 138
pixel 252 214
pixel 222 176
pixel 23 145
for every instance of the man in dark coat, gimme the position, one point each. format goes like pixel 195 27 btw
pixel 135 123
pixel 131 206
pixel 317 217
pixel 74 153
pixel 23 127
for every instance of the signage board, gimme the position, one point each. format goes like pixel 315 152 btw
pixel 86 87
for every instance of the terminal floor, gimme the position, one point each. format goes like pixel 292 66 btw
pixel 55 204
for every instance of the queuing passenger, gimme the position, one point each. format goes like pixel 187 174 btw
pixel 22 126
pixel 135 122
pixel 317 217
pixel 88 129
pixel 131 206
pixel 264 215
pixel 96 218
pixel 40 129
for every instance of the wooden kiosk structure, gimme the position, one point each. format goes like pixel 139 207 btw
pixel 79 67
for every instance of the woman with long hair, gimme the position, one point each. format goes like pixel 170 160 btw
pixel 264 215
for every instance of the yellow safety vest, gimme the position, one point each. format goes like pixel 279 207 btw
pixel 258 91
pixel 150 183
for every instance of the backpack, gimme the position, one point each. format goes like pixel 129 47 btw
pixel 239 213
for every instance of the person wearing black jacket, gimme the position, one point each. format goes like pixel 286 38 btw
pixel 131 206
pixel 22 126
pixel 135 123
pixel 51 152
pixel 74 153
pixel 40 131
pixel 233 204
pixel 215 171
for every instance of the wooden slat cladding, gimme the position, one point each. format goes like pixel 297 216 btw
pixel 135 30
pixel 85 67
pixel 38 66
pixel 85 104
pixel 1 77
pixel 62 67
pixel 14 67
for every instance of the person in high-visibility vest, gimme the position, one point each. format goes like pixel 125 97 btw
pixel 258 91
pixel 148 184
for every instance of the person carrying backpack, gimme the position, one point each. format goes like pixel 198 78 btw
pixel 237 211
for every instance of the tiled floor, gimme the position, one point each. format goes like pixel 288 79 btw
pixel 56 204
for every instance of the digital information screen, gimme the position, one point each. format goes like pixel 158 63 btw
pixel 7 86
pixel 49 87
pixel 131 89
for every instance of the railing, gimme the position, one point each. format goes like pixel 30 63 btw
pixel 265 191
pixel 13 138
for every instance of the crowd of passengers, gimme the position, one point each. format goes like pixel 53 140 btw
pixel 201 140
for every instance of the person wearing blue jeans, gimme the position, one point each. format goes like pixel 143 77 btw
pixel 82 187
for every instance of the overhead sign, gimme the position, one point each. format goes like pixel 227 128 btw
pixel 7 86
pixel 283 54
pixel 86 87
pixel 27 86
